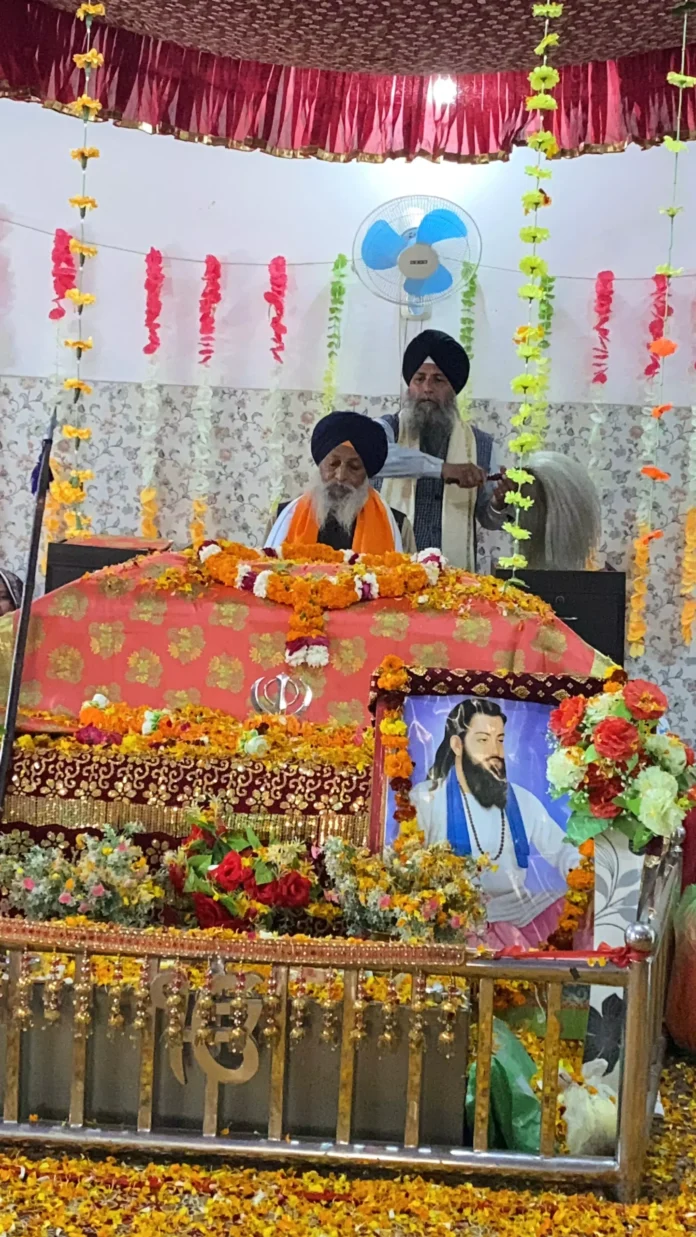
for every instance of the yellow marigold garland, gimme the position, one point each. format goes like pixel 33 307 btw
pixel 529 421
pixel 68 492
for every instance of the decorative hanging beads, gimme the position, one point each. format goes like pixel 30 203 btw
pixel 21 1011
pixel 175 1007
pixel 329 1007
pixel 389 1037
pixel 299 1006
pixel 52 993
pixel 116 1019
pixel 239 1012
pixel 271 1008
pixel 447 1018
pixel 205 1012
pixel 82 998
pixel 359 1033
pixel 141 997
pixel 416 1032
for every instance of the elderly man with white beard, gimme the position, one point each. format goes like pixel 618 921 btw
pixel 343 510
pixel 437 468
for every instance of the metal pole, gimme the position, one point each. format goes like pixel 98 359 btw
pixel 42 484
pixel 634 1082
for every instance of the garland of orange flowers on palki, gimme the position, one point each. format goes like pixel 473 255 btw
pixel 422 577
pixel 68 491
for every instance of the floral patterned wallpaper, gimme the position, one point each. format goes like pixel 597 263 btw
pixel 239 482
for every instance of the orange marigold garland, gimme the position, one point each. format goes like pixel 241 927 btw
pixel 154 281
pixel 70 492
pixel 661 348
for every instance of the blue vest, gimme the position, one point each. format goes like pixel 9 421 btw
pixel 458 829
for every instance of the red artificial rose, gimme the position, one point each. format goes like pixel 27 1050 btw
pixel 211 914
pixel 564 720
pixel 177 876
pixel 690 755
pixel 266 894
pixel 230 873
pixel 294 890
pixel 615 738
pixel 601 793
pixel 644 701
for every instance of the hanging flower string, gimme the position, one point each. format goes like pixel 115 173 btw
pixel 603 305
pixel 149 508
pixel 532 384
pixel 467 322
pixel 63 272
pixel 337 296
pixel 211 295
pixel 275 297
pixel 660 348
pixel 69 492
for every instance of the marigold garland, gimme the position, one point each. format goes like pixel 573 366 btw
pixel 660 348
pixel 70 492
pixel 530 418
pixel 467 324
pixel 149 507
pixel 337 296
pixel 275 297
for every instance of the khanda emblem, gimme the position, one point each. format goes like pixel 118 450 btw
pixel 281 694
pixel 220 1026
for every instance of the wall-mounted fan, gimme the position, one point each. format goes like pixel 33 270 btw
pixel 416 250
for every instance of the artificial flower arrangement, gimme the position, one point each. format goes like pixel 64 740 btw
pixel 413 892
pixel 233 881
pixel 106 879
pixel 614 767
pixel 336 580
pixel 272 739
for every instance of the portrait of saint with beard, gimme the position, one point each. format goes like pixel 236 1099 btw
pixel 469 800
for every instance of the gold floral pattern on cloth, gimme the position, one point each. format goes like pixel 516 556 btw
pixel 474 629
pixel 391 625
pixel 511 660
pixel 30 694
pixel 68 603
pixel 229 614
pixel 348 656
pixel 551 641
pixel 347 712
pixel 179 699
pixel 65 662
pixel 37 634
pixel 226 673
pixel 435 654
pixel 267 649
pixel 186 643
pixel 149 610
pixel 112 691
pixel 144 666
pixel 106 639
pixel 313 677
pixel 114 585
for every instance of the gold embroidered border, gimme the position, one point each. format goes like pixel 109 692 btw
pixel 154 818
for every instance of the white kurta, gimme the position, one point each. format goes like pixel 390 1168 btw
pixel 509 900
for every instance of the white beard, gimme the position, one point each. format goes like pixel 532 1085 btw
pixel 342 502
pixel 418 414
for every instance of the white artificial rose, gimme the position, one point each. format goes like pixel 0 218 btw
pixel 657 792
pixel 564 769
pixel 255 745
pixel 668 751
pixel 609 704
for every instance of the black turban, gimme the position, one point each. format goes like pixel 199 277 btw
pixel 443 351
pixel 365 435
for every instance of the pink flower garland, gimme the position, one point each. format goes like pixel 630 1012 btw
pixel 661 311
pixel 63 271
pixel 604 299
pixel 154 280
pixel 210 299
pixel 277 269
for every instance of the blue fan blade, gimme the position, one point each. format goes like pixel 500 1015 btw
pixel 440 225
pixel 439 281
pixel 381 246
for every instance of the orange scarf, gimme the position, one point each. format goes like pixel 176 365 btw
pixel 373 530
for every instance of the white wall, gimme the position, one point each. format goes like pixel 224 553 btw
pixel 190 199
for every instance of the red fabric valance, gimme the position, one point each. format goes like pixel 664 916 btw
pixel 248 105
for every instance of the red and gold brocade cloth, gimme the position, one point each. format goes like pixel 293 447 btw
pixel 107 633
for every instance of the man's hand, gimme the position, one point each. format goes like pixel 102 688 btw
pixel 500 493
pixel 468 476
